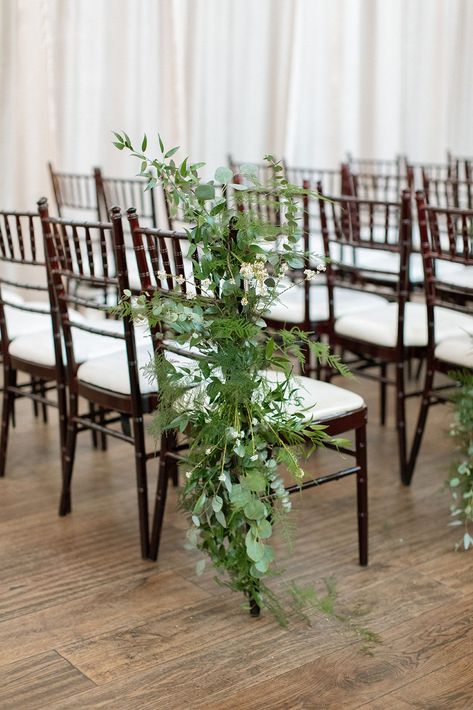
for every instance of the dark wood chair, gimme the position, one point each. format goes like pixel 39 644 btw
pixel 446 238
pixel 110 378
pixel 75 194
pixel 447 192
pixel 379 236
pixel 127 191
pixel 377 166
pixel 26 321
pixel 338 409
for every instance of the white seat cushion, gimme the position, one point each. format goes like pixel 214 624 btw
pixel 379 325
pixel 290 306
pixel 39 348
pixel 21 322
pixel 110 372
pixel 458 351
pixel 320 400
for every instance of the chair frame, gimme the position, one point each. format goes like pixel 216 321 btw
pixel 439 294
pixel 367 354
pixel 19 246
pixel 66 264
pixel 154 242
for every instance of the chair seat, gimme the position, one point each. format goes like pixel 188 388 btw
pixel 379 325
pixel 110 372
pixel 458 351
pixel 20 323
pixel 320 400
pixel 39 347
pixel 290 306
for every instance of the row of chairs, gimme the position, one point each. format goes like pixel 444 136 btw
pixel 370 304
pixel 99 361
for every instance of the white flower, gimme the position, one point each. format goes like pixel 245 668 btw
pixel 321 267
pixel 244 301
pixel 205 283
pixel 180 279
pixel 283 267
pixel 188 474
pixel 310 274
pixel 221 477
pixel 161 274
pixel 208 451
pixel 232 433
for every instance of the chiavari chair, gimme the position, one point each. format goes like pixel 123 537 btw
pixel 448 192
pixel 25 324
pixel 446 238
pixel 75 194
pixel 337 409
pixel 110 376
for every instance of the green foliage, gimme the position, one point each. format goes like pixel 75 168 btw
pixel 239 424
pixel 461 477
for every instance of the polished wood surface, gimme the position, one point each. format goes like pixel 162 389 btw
pixel 84 623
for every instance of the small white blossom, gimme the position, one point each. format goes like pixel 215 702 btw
pixel 180 279
pixel 232 433
pixel 283 267
pixel 221 477
pixel 188 474
pixel 161 274
pixel 321 267
pixel 205 283
pixel 208 451
pixel 244 301
pixel 310 274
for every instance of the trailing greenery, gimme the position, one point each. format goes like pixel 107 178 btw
pixel 461 478
pixel 241 421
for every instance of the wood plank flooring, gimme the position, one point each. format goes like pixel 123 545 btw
pixel 85 623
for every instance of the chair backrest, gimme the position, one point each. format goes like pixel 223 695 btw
pixel 367 244
pixel 376 186
pixel 126 191
pixel 446 238
pixel 330 178
pixel 83 264
pixel 24 287
pixel 447 192
pixel 75 194
pixel 377 166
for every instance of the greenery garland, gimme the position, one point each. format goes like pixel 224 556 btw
pixel 461 478
pixel 242 422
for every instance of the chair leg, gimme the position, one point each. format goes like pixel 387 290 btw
pixel 65 501
pixel 401 420
pixel 34 390
pixel 93 432
pixel 103 436
pixel 362 494
pixel 421 422
pixel 44 407
pixel 382 394
pixel 9 380
pixel 141 484
pixel 167 444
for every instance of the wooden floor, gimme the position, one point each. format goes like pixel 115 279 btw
pixel 85 623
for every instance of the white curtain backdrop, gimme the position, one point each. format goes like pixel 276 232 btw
pixel 304 79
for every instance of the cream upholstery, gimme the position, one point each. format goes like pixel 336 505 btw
pixel 321 400
pixel 458 351
pixel 110 372
pixel 290 306
pixel 39 348
pixel 21 322
pixel 379 325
